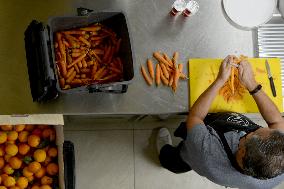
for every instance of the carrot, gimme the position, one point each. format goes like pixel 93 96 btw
pixel 75 32
pixel 71 77
pixel 70 71
pixel 91 29
pixel 83 76
pixel 76 54
pixel 167 58
pixel 66 43
pixel 175 58
pixel 160 58
pixel 175 82
pixel 164 79
pixel 146 77
pixel 76 51
pixel 76 82
pixel 85 41
pixel 232 80
pixel 98 51
pixel 71 40
pixel 90 63
pixel 77 60
pixel 94 69
pixel 85 70
pixel 98 73
pixel 150 68
pixel 80 65
pixel 85 65
pixel 62 82
pixel 102 74
pixel 158 75
pixel 117 47
pixel 76 68
pixel 165 71
pixel 171 80
pixel 62 65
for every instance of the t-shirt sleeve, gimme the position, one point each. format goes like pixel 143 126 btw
pixel 201 140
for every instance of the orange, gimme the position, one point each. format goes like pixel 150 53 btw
pixel 2 150
pixel 40 173
pixel 19 128
pixel 3 177
pixel 9 181
pixel 7 157
pixel 34 167
pixel 29 127
pixel 39 155
pixel 6 127
pixel 43 127
pixel 52 169
pixel 47 160
pixel 8 169
pixel 24 148
pixel 23 136
pixel 2 162
pixel 33 140
pixel 45 187
pixel 46 133
pixel 11 149
pixel 12 135
pixel 46 180
pixel 52 152
pixel 14 187
pixel 26 172
pixel 35 187
pixel 15 162
pixel 30 178
pixel 3 137
pixel 22 182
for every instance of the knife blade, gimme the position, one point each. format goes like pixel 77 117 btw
pixel 270 78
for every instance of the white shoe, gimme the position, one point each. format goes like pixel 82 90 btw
pixel 163 138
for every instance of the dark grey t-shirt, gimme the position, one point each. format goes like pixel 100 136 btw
pixel 204 152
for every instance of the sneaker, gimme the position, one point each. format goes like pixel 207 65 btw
pixel 163 138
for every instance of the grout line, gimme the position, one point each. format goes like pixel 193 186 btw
pixel 134 175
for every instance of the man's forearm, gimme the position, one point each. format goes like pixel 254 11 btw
pixel 201 107
pixel 267 108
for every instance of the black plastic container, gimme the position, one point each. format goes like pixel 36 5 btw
pixel 44 81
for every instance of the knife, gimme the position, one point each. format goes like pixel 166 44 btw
pixel 270 78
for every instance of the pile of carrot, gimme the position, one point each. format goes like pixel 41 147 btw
pixel 168 71
pixel 87 55
pixel 233 89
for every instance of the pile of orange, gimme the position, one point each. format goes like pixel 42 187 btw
pixel 28 157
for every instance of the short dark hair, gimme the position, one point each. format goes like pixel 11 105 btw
pixel 264 156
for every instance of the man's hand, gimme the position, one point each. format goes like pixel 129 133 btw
pixel 246 76
pixel 225 69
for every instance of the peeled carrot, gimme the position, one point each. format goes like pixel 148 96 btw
pixel 150 68
pixel 158 75
pixel 85 41
pixel 164 79
pixel 76 32
pixel 146 77
pixel 171 80
pixel 175 58
pixel 165 71
pixel 77 60
pixel 94 28
pixel 98 73
pixel 168 59
pixel 71 77
pixel 175 82
pixel 161 59
pixel 232 80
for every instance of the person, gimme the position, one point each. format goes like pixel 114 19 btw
pixel 243 158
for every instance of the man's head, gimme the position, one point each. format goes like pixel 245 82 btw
pixel 261 153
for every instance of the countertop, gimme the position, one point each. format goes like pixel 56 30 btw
pixel 207 34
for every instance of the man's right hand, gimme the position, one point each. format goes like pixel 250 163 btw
pixel 246 76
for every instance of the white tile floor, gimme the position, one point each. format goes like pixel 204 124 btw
pixel 120 153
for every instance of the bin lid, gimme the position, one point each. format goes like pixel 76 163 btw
pixel 39 62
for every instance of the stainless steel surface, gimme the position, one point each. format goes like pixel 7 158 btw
pixel 271 41
pixel 206 34
pixel 268 69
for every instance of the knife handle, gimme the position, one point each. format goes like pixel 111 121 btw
pixel 272 86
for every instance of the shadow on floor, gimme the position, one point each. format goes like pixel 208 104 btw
pixel 150 152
